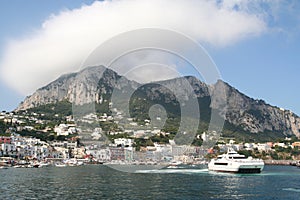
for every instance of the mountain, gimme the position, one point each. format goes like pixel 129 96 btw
pixel 244 116
pixel 84 84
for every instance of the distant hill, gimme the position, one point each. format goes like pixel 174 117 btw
pixel 246 118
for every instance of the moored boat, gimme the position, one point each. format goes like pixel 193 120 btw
pixel 298 164
pixel 174 164
pixel 60 165
pixel 73 162
pixel 44 164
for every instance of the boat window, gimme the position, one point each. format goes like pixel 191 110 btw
pixel 239 157
pixel 221 163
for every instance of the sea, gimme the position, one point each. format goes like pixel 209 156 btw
pixel 102 182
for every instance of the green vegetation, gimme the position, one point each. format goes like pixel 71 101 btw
pixel 44 136
pixel 3 128
pixel 53 111
pixel 279 153
pixel 241 135
pixel 141 102
pixel 139 109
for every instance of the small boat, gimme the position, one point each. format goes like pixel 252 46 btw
pixel 44 164
pixel 298 164
pixel 79 163
pixel 235 163
pixel 35 165
pixel 73 162
pixel 174 165
pixel 60 165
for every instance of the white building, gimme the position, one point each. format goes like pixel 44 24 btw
pixel 280 144
pixel 262 147
pixel 65 129
pixel 64 144
pixel 60 152
pixel 124 142
pixel 249 146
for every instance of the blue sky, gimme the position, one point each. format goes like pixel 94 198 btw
pixel 19 18
pixel 263 64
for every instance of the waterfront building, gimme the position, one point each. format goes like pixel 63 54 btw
pixel 117 153
pixel 7 149
pixel 101 155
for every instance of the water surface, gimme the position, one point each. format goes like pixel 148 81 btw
pixel 101 182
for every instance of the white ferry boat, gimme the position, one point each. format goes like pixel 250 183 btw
pixel 236 163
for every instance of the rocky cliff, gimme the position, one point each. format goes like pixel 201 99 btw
pixel 93 83
pixel 256 116
pixel 80 88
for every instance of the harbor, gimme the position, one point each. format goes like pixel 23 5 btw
pixel 102 182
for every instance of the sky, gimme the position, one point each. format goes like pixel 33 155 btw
pixel 254 44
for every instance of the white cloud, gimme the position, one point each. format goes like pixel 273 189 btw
pixel 149 73
pixel 66 39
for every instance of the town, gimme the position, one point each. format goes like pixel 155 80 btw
pixel 29 139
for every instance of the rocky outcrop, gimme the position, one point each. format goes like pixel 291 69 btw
pixel 80 88
pixel 256 116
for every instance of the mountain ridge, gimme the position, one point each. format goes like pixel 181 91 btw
pixel 253 116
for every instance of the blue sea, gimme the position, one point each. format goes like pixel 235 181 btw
pixel 102 182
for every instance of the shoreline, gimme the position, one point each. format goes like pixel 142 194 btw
pixel 280 162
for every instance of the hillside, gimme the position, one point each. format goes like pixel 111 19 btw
pixel 246 118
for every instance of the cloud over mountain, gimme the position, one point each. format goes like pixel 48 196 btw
pixel 64 40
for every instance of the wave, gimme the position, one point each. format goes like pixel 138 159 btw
pixel 292 189
pixel 174 171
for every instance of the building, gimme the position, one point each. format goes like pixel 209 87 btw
pixel 100 155
pixel 65 129
pixel 117 153
pixel 263 147
pixel 123 142
pixel 65 144
pixel 6 140
pixel 128 154
pixel 7 149
pixel 296 144
pixel 35 152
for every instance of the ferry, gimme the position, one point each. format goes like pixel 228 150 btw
pixel 236 163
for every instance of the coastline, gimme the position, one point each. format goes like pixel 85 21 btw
pixel 280 162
